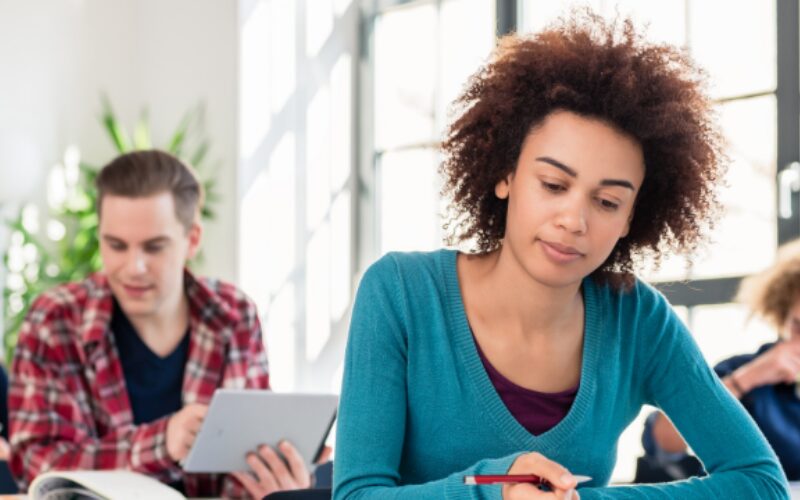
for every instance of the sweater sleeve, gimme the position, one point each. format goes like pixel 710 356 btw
pixel 677 379
pixel 371 426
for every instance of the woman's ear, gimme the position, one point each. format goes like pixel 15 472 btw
pixel 502 188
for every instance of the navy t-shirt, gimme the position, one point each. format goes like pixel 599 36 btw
pixel 776 410
pixel 154 383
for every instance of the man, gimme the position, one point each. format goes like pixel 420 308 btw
pixel 116 371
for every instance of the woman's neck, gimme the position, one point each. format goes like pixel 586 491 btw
pixel 501 292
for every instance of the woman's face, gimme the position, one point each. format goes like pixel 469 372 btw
pixel 571 197
pixel 791 325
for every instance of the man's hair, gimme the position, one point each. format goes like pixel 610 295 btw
pixel 146 173
pixel 772 293
pixel 605 71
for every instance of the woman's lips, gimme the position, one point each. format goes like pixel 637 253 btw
pixel 561 254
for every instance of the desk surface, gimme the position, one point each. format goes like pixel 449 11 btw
pixel 795 487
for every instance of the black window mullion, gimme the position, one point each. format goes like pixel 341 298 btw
pixel 506 16
pixel 788 101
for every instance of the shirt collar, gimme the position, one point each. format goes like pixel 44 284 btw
pixel 205 306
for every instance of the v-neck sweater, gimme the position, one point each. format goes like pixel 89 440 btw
pixel 418 411
pixel 536 411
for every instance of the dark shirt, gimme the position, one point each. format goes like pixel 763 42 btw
pixel 154 384
pixel 4 402
pixel 776 410
pixel 536 411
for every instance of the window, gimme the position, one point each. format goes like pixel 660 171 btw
pixel 416 78
pixel 297 109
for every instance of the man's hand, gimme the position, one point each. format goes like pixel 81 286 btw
pixel 781 364
pixel 5 450
pixel 182 429
pixel 271 472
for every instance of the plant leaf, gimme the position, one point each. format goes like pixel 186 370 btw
pixel 199 154
pixel 117 133
pixel 179 136
pixel 141 134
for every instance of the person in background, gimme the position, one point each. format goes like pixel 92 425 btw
pixel 573 152
pixel 766 382
pixel 116 371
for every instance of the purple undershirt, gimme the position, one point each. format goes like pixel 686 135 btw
pixel 537 412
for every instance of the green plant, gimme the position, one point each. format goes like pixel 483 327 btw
pixel 71 252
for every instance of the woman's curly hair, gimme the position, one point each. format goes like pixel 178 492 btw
pixel 599 69
pixel 772 293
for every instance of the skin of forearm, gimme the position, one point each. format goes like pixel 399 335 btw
pixel 667 436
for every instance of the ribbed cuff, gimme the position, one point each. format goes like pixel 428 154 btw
pixel 455 489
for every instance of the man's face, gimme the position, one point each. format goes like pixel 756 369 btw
pixel 791 325
pixel 144 248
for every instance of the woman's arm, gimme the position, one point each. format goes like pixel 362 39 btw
pixel 371 426
pixel 667 436
pixel 676 378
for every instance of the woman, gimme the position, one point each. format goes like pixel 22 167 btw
pixel 575 151
pixel 766 382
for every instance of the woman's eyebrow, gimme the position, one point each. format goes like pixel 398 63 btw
pixel 572 173
pixel 558 165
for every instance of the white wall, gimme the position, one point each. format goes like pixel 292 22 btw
pixel 56 56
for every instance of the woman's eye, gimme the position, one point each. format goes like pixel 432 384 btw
pixel 553 188
pixel 610 205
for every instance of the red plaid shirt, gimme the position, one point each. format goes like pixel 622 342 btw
pixel 68 405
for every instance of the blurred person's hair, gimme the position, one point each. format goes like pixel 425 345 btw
pixel 771 293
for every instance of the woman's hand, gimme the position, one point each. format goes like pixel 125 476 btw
pixel 781 364
pixel 534 463
pixel 271 472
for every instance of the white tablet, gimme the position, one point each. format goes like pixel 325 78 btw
pixel 239 420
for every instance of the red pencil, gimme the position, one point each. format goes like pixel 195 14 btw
pixel 515 478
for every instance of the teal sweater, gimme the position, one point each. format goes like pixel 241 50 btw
pixel 418 411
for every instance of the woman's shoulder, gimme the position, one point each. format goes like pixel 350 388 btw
pixel 412 265
pixel 637 295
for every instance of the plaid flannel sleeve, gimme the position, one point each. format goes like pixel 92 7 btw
pixel 51 420
pixel 257 377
